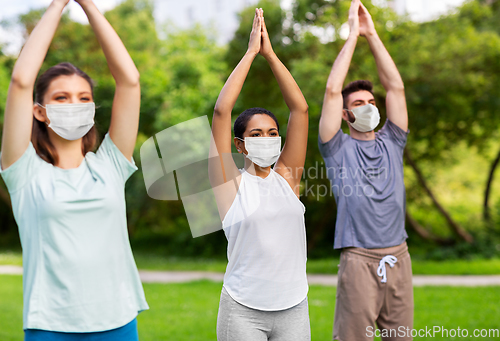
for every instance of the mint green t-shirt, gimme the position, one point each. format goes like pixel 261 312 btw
pixel 79 272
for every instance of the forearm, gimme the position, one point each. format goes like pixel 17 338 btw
pixel 331 113
pixel 33 53
pixel 231 90
pixel 340 68
pixel 292 95
pixel 387 70
pixel 120 63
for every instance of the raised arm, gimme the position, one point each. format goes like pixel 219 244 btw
pixel 221 166
pixel 18 119
pixel 221 123
pixel 291 162
pixel 388 72
pixel 126 103
pixel 331 113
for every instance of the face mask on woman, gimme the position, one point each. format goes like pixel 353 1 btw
pixel 263 151
pixel 366 117
pixel 70 121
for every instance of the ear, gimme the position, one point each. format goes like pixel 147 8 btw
pixel 40 113
pixel 240 146
pixel 347 116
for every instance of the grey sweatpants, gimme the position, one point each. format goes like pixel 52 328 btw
pixel 237 322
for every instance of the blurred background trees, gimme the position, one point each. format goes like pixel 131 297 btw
pixel 451 70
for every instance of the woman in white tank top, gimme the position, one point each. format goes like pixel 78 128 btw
pixel 264 296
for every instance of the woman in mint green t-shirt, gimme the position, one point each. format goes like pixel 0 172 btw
pixel 80 278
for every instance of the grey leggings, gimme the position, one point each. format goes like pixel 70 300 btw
pixel 237 322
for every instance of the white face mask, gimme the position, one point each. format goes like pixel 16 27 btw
pixel 263 151
pixel 366 117
pixel 71 121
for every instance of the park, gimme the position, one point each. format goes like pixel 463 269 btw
pixel 451 72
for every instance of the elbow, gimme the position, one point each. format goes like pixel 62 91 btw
pixel 135 79
pixel 20 81
pixel 397 87
pixel 300 110
pixel 305 109
pixel 219 110
pixel 400 87
pixel 333 91
pixel 130 80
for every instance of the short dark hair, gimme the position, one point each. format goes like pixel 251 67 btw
pixel 240 125
pixel 355 86
pixel 39 133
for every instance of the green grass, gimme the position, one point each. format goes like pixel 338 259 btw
pixel 457 267
pixel 324 266
pixel 155 262
pixel 189 311
pixel 11 258
pixel 320 266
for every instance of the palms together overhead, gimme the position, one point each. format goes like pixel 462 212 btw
pixel 366 26
pixel 255 35
pixel 82 2
pixel 360 20
pixel 266 48
pixel 260 42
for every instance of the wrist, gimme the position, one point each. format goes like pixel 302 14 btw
pixel 371 34
pixel 353 35
pixel 58 4
pixel 270 56
pixel 251 53
pixel 87 5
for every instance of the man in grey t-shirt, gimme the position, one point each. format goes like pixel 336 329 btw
pixel 366 172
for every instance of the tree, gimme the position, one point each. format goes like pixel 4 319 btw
pixel 450 87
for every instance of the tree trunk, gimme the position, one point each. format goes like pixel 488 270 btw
pixel 454 226
pixel 486 209
pixel 422 232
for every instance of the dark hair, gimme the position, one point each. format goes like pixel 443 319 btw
pixel 240 125
pixel 39 135
pixel 355 86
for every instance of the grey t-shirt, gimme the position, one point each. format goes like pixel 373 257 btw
pixel 367 183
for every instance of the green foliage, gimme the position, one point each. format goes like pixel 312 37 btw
pixel 194 68
pixel 4 83
pixel 260 88
pixel 181 76
pixel 451 89
pixel 451 71
pixel 188 311
pixel 421 264
pixel 450 66
pixel 186 82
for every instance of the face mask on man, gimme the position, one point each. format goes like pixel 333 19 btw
pixel 366 118
pixel 263 151
pixel 70 121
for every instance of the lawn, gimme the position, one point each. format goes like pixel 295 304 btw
pixel 148 261
pixel 189 311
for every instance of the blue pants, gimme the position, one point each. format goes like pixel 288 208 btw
pixel 126 333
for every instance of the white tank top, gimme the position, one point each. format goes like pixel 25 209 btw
pixel 266 251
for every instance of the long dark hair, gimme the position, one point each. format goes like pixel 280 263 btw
pixel 39 135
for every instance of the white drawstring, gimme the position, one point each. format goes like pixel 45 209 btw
pixel 391 260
